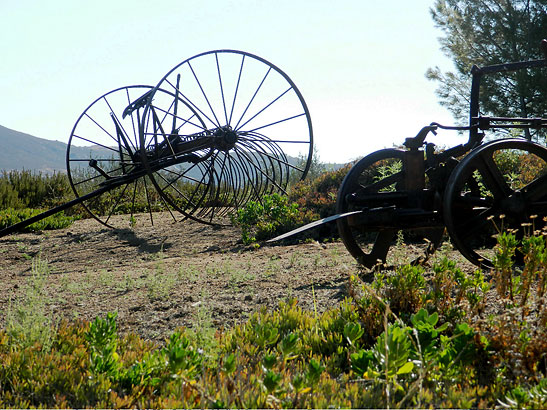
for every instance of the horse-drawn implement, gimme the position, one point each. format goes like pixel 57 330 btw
pixel 220 129
pixel 471 190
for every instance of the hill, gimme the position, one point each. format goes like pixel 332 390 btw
pixel 23 151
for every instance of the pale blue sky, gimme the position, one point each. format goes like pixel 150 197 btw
pixel 360 64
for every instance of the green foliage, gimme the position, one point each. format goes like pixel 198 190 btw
pixel 25 189
pixel 402 341
pixel 318 195
pixel 273 215
pixel 12 216
pixel 308 200
pixel 28 321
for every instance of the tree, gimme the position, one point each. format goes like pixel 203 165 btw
pixel 486 32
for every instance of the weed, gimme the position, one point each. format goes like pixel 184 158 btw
pixel 159 284
pixel 27 320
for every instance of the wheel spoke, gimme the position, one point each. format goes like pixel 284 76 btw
pixel 221 89
pixel 217 122
pixel 252 98
pixel 492 175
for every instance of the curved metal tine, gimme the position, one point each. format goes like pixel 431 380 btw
pixel 236 89
pixel 236 127
pixel 211 171
pixel 203 211
pixel 254 146
pixel 171 183
pixel 250 192
pixel 286 162
pixel 236 181
pixel 217 205
pixel 273 143
pixel 258 170
pixel 251 160
pixel 265 108
pixel 246 134
pixel 225 186
pixel 280 155
pixel 264 157
pixel 246 171
pixel 262 178
pixel 190 201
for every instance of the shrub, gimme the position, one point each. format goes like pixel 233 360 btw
pixel 25 189
pixel 319 195
pixel 12 216
pixel 265 219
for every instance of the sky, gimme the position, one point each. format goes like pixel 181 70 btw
pixel 360 64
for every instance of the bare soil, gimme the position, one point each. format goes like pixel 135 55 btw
pixel 170 275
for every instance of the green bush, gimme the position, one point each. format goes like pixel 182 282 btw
pixel 25 189
pixel 12 216
pixel 271 216
pixel 318 195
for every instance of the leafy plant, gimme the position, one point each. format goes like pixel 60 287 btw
pixel 264 219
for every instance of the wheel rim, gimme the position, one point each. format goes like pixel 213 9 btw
pixel 104 149
pixel 484 196
pixel 379 172
pixel 255 124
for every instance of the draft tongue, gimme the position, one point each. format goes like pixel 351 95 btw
pixel 312 225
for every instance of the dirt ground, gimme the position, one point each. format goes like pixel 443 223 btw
pixel 169 275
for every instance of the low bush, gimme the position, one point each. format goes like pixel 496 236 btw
pixel 12 216
pixel 273 215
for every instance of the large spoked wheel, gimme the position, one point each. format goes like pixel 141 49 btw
pixel 103 154
pixel 373 184
pixel 498 186
pixel 256 137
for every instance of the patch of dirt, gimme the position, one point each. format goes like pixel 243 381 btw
pixel 169 275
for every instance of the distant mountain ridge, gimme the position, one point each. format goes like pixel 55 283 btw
pixel 21 151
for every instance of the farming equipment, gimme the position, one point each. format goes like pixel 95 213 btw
pixel 474 190
pixel 220 129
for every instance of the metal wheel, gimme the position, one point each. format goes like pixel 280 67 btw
pixel 256 137
pixel 498 186
pixel 376 184
pixel 103 153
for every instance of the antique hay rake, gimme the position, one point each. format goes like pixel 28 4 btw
pixel 220 129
